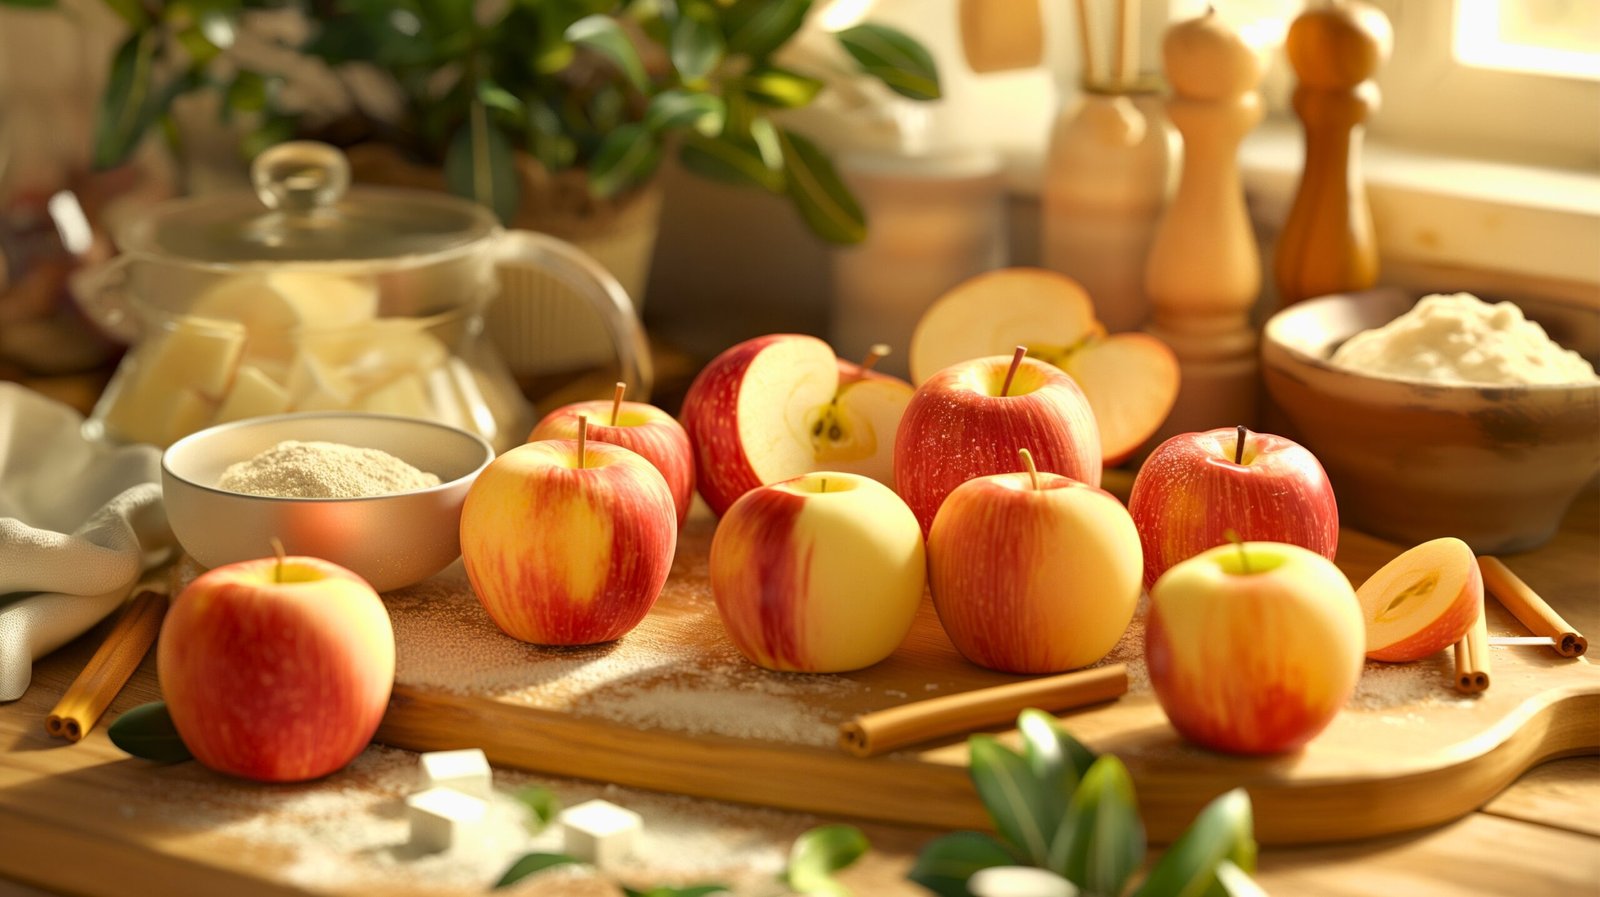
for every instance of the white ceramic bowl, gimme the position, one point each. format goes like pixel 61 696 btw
pixel 1496 466
pixel 390 540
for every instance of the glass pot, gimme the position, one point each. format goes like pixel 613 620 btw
pixel 311 295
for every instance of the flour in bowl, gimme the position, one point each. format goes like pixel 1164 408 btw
pixel 293 469
pixel 1462 339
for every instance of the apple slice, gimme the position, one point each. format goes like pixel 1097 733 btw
pixel 1422 601
pixel 1131 382
pixel 1130 379
pixel 992 312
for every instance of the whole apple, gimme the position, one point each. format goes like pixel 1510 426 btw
pixel 635 426
pixel 967 420
pixel 777 406
pixel 819 574
pixel 1033 572
pixel 1253 648
pixel 277 670
pixel 1196 486
pixel 568 542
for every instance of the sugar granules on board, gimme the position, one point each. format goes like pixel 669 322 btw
pixel 349 830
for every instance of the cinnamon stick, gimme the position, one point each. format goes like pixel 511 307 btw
pixel 875 733
pixel 1472 657
pixel 1526 605
pixel 110 668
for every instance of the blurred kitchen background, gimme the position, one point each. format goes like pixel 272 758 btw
pixel 1482 162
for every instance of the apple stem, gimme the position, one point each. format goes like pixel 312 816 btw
pixel 1016 362
pixel 1238 444
pixel 616 401
pixel 1033 472
pixel 277 548
pixel 877 353
pixel 583 439
pixel 1232 535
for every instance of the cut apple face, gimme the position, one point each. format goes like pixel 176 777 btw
pixel 1130 379
pixel 854 433
pixel 779 397
pixel 1422 601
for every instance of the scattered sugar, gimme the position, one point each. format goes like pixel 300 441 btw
pixel 349 831
pixel 1129 650
pixel 294 469
pixel 653 677
pixel 1420 683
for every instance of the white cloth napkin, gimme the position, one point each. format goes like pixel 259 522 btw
pixel 79 523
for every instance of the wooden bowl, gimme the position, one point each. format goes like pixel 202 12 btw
pixel 391 540
pixel 1496 466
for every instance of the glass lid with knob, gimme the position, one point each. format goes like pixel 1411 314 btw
pixel 304 210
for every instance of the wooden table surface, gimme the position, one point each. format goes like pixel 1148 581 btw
pixel 85 819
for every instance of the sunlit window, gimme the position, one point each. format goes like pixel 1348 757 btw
pixel 1547 37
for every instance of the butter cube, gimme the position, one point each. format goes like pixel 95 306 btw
pixel 186 412
pixel 195 354
pixel 600 833
pixel 254 394
pixel 314 386
pixel 443 817
pixel 466 771
pixel 274 308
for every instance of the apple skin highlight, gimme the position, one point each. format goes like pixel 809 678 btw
pixel 560 555
pixel 1257 663
pixel 958 427
pixel 641 428
pixel 814 582
pixel 1189 493
pixel 277 682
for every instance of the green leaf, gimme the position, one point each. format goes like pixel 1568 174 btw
pixel 604 36
pixel 758 27
pixel 730 160
pixel 1057 762
pixel 1010 795
pixel 131 12
pixel 494 96
pixel 695 46
pixel 946 863
pixel 547 137
pixel 816 190
pixel 542 807
pixel 674 109
pixel 625 159
pixel 895 58
pixel 147 731
pixel 247 92
pixel 1236 882
pixel 818 854
pixel 670 891
pixel 531 863
pixel 1223 832
pixel 274 130
pixel 780 88
pixel 128 106
pixel 479 165
pixel 1101 842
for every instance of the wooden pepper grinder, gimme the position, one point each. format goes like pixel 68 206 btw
pixel 1327 245
pixel 1203 273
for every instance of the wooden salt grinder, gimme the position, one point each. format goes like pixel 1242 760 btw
pixel 1203 273
pixel 1327 244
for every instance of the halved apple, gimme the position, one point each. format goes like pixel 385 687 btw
pixel 775 407
pixel 1422 601
pixel 1130 379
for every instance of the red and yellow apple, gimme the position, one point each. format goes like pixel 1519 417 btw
pixel 1196 486
pixel 1421 602
pixel 1033 572
pixel 1130 379
pixel 277 670
pixel 774 407
pixel 1253 648
pixel 819 574
pixel 968 420
pixel 568 543
pixel 641 428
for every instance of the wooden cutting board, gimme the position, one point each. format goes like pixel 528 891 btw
pixel 672 707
